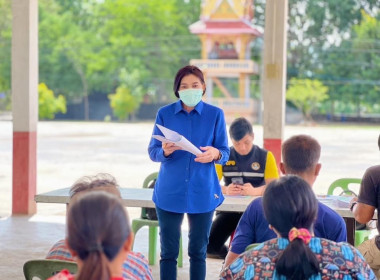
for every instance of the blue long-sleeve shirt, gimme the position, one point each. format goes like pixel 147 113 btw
pixel 183 185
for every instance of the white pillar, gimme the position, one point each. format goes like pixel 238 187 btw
pixel 274 74
pixel 247 88
pixel 24 104
pixel 209 89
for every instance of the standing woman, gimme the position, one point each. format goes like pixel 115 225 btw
pixel 188 183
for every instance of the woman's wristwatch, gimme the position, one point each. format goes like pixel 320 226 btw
pixel 220 156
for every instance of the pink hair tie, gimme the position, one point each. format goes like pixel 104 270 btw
pixel 301 233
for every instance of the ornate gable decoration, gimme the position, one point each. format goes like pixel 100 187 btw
pixel 226 9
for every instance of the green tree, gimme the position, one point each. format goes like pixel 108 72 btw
pixel 306 94
pixel 5 101
pixel 127 98
pixel 5 46
pixel 48 104
pixel 151 36
pixel 84 44
pixel 366 46
pixel 122 102
pixel 67 51
pixel 315 25
pixel 351 70
pixel 337 73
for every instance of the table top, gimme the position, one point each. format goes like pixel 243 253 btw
pixel 138 197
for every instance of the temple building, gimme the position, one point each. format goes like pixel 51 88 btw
pixel 226 33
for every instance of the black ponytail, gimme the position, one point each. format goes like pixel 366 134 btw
pixel 297 261
pixel 95 267
pixel 290 202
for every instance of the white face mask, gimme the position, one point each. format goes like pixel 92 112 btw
pixel 191 97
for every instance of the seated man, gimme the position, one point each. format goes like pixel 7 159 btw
pixel 247 171
pixel 300 156
pixel 136 265
pixel 364 208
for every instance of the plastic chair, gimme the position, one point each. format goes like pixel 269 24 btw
pixel 343 183
pixel 43 269
pixel 153 228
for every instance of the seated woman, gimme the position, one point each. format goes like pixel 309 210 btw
pixel 290 207
pixel 135 266
pixel 99 236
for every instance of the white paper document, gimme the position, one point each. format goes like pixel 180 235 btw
pixel 176 138
pixel 335 201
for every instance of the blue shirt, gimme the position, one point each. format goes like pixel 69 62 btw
pixel 254 228
pixel 183 185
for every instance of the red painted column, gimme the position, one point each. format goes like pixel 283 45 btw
pixel 274 75
pixel 274 145
pixel 24 172
pixel 24 104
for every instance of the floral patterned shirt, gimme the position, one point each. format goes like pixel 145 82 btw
pixel 336 261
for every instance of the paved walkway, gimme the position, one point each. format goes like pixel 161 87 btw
pixel 69 150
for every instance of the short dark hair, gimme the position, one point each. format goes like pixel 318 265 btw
pixel 93 182
pixel 298 207
pixel 239 128
pixel 300 153
pixel 187 70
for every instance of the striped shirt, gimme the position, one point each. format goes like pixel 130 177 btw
pixel 65 275
pixel 135 267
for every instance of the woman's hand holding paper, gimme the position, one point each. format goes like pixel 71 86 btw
pixel 169 148
pixel 210 154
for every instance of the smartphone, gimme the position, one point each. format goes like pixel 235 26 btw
pixel 237 180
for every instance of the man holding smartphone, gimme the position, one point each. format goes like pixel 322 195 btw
pixel 248 170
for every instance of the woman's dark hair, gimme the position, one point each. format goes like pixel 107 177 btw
pixel 187 70
pixel 290 202
pixel 239 128
pixel 97 227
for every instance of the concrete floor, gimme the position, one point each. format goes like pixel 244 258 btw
pixel 69 150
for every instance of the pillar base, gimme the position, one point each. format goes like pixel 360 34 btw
pixel 24 172
pixel 274 145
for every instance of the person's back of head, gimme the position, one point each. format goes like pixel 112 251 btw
pixel 239 128
pixel 101 181
pixel 290 203
pixel 300 154
pixel 97 229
